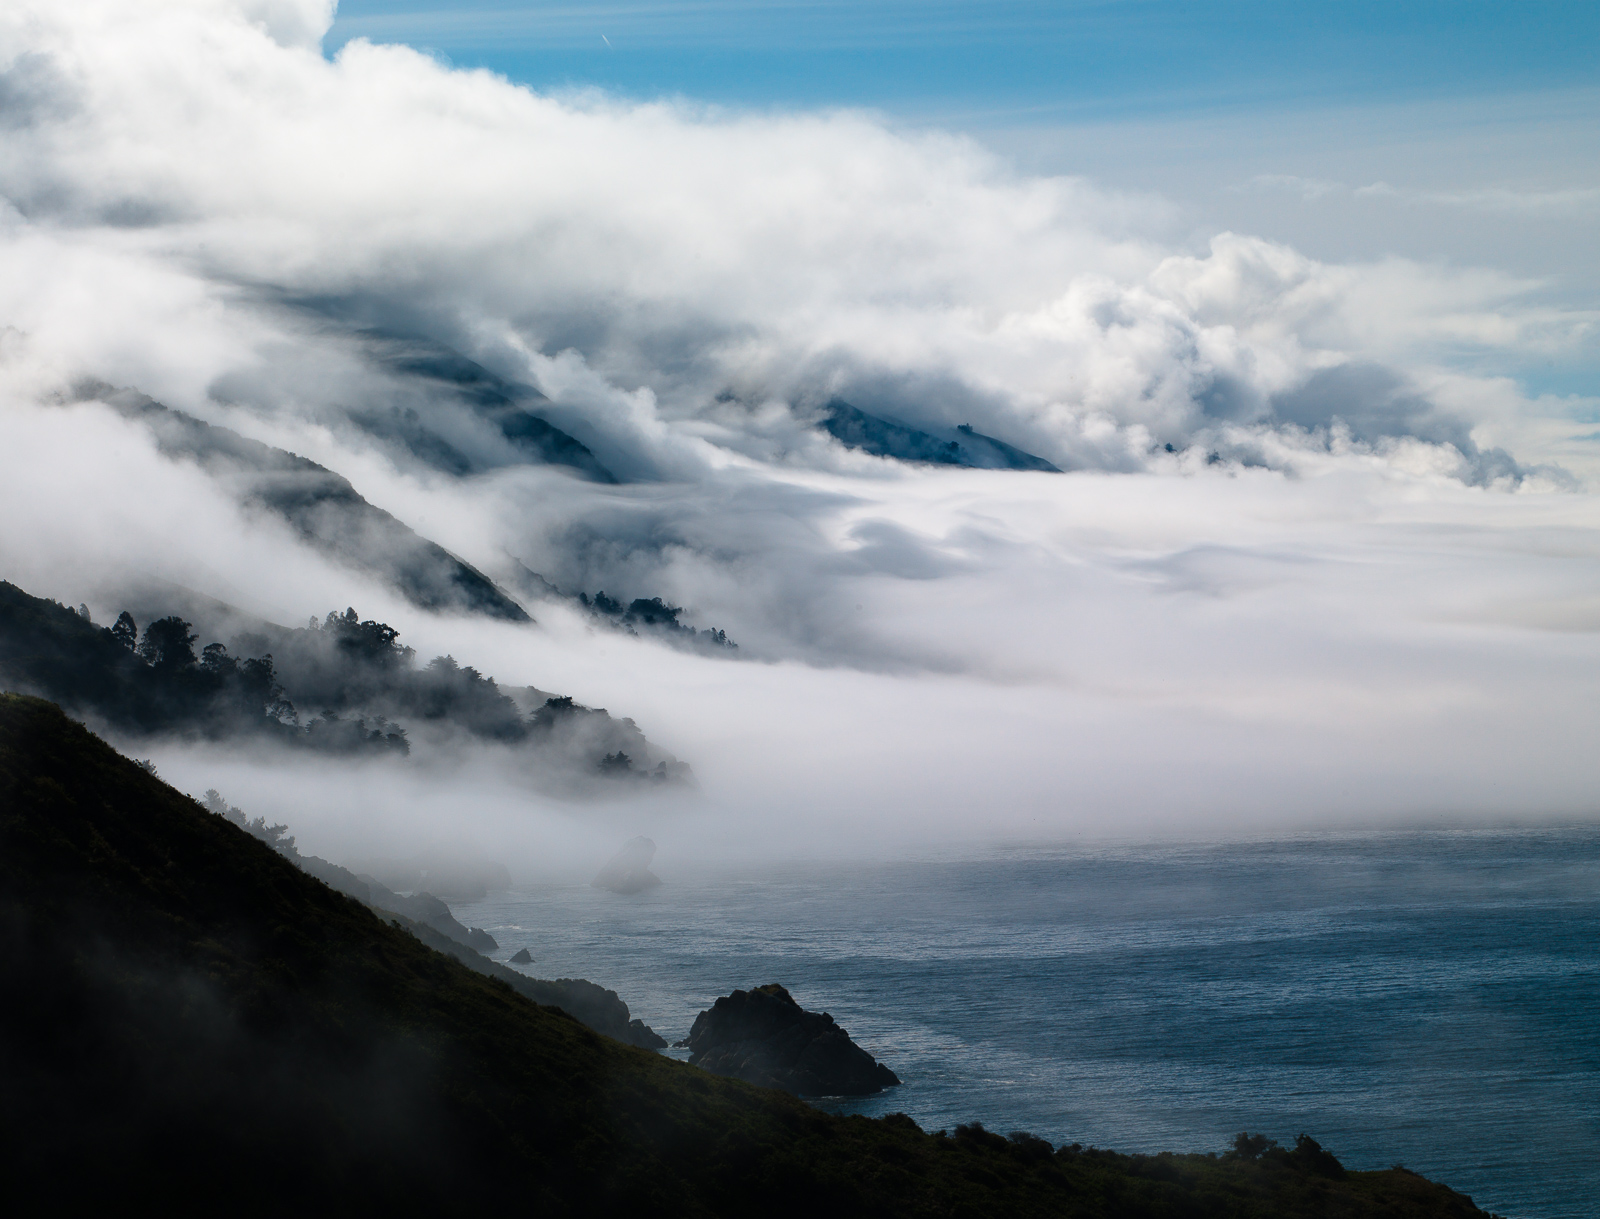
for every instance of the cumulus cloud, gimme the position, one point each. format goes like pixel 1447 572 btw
pixel 675 254
pixel 1275 570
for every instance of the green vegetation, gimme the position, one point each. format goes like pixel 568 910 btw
pixel 194 1021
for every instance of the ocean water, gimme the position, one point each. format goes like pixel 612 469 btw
pixel 1430 999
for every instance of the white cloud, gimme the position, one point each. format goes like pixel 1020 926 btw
pixel 1298 605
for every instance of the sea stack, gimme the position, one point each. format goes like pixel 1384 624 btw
pixel 764 1037
pixel 629 869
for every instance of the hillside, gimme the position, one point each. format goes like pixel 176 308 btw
pixel 202 1023
pixel 321 505
pixel 365 683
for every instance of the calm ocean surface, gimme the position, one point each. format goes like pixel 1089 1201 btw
pixel 1431 999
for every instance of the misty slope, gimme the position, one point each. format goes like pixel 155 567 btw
pixel 856 429
pixel 215 1027
pixel 356 674
pixel 321 505
pixel 477 391
pixel 50 649
pixel 429 919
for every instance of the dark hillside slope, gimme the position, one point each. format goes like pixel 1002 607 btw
pixel 190 1021
pixel 48 648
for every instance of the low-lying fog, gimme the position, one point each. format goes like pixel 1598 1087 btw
pixel 1092 654
pixel 1314 560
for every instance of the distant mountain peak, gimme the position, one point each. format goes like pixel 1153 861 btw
pixel 322 506
pixel 856 429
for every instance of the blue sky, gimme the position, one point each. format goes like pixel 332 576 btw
pixel 1008 60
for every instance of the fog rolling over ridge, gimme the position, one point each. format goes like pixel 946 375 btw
pixel 1241 539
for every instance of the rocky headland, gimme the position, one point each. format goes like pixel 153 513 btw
pixel 763 1036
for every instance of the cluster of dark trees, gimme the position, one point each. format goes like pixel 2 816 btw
pixel 1307 1155
pixel 348 664
pixel 654 615
pixel 365 683
pixel 148 683
pixel 217 682
pixel 275 836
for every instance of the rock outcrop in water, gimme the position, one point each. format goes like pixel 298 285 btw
pixel 629 869
pixel 523 957
pixel 764 1037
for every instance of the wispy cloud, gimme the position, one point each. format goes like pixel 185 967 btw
pixel 1565 202
pixel 718 24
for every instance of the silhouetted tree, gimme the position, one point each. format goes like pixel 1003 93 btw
pixel 1310 1156
pixel 1247 1146
pixel 258 682
pixel 617 763
pixel 331 734
pixel 275 836
pixel 167 643
pixel 214 658
pixel 83 612
pixel 367 641
pixel 126 631
pixel 656 615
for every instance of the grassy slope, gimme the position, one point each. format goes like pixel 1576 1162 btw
pixel 200 1021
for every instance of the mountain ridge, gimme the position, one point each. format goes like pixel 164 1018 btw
pixel 321 505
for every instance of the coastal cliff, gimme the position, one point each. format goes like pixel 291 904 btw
pixel 201 1024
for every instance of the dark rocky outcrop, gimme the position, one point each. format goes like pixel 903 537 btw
pixel 523 957
pixel 764 1037
pixel 629 869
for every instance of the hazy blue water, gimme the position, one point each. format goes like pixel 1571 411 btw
pixel 1431 999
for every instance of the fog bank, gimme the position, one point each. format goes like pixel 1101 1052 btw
pixel 1315 558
